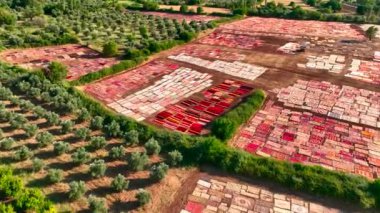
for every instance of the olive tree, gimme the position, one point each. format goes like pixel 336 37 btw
pixel 158 172
pixel 77 190
pixel 54 175
pixel 119 183
pixel 132 137
pixel 7 143
pixel 138 161
pixel 22 153
pixel 97 142
pixel 174 158
pixel 96 123
pixel 82 133
pixel 37 164
pixel 44 138
pixel 117 152
pixel 61 147
pixel 97 205
pixel 80 156
pixel 143 197
pixel 152 147
pixel 98 168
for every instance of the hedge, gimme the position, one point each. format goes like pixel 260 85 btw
pixel 224 127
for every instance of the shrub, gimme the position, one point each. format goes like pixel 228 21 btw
pixel 113 129
pixel 96 123
pixel 175 158
pixel 117 152
pixel 138 161
pixel 30 130
pixel 10 186
pixel 54 175
pixel 186 36
pixel 158 173
pixel 44 139
pixel 7 17
pixel 61 147
pixel 56 71
pixel 98 168
pixel 97 142
pixel 119 183
pixel 7 143
pixel 17 121
pixel 184 8
pixel 200 10
pixel 37 164
pixel 82 133
pixel 66 126
pixel 97 205
pixel 80 156
pixel 23 153
pixel 6 208
pixel 52 118
pixel 83 115
pixel 110 49
pixel 143 197
pixel 152 147
pixel 33 200
pixel 77 190
pixel 132 137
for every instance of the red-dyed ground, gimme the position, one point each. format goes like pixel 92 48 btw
pixel 192 115
pixel 79 60
pixel 115 87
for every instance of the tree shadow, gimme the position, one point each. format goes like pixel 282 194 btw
pixel 139 183
pixel 38 183
pixel 124 206
pixel 101 191
pixel 58 197
pixel 20 136
pixel 7 160
pixel 65 166
pixel 84 176
pixel 45 154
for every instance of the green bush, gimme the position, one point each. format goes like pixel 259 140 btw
pixel 56 71
pixel 132 137
pixel 30 130
pixel 224 127
pixel 7 17
pixel 77 190
pixel 6 208
pixel 96 123
pixel 143 197
pixel 110 49
pixel 158 172
pixel 61 147
pixel 138 161
pixel 152 147
pixel 98 168
pixel 97 142
pixel 7 143
pixel 82 133
pixel 67 126
pixel 22 153
pixel 119 183
pixel 97 205
pixel 44 139
pixel 37 164
pixel 80 156
pixel 54 175
pixel 117 153
pixel 175 158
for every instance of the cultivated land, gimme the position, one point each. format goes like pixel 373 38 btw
pixel 322 109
